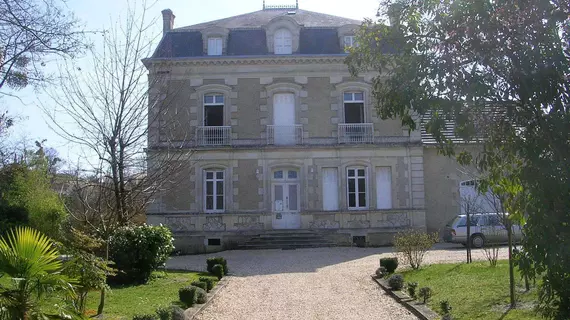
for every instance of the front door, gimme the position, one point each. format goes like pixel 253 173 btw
pixel 285 200
pixel 284 118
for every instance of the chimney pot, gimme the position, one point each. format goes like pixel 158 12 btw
pixel 167 20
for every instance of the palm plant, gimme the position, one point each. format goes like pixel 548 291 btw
pixel 30 261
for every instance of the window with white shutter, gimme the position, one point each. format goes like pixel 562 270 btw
pixel 330 189
pixel 384 188
pixel 283 42
pixel 215 46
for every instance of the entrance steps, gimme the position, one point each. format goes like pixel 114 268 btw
pixel 284 239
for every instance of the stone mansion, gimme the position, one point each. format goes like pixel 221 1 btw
pixel 284 138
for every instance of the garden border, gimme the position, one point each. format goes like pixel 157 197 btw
pixel 420 310
pixel 191 312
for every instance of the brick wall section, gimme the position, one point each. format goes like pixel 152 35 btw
pixel 318 103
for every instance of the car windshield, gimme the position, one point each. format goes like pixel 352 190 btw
pixel 463 221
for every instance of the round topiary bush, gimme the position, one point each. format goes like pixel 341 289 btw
pixel 138 251
pixel 201 296
pixel 218 271
pixel 211 262
pixel 177 313
pixel 412 286
pixel 187 295
pixel 381 272
pixel 145 317
pixel 391 264
pixel 396 282
pixel 209 283
pixel 200 284
pixel 425 293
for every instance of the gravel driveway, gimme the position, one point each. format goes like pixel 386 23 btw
pixel 321 283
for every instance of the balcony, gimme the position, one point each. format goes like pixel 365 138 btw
pixel 285 135
pixel 214 136
pixel 355 133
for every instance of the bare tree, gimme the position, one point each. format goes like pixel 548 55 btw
pixel 110 110
pixel 30 32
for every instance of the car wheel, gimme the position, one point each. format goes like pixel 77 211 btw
pixel 477 241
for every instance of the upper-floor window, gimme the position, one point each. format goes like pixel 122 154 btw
pixel 283 42
pixel 214 46
pixel 349 41
pixel 213 110
pixel 214 191
pixel 353 107
pixel 356 188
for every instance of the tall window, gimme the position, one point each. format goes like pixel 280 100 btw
pixel 349 41
pixel 356 182
pixel 354 107
pixel 214 191
pixel 283 42
pixel 215 46
pixel 213 110
pixel 384 187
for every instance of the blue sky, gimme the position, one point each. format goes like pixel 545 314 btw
pixel 97 15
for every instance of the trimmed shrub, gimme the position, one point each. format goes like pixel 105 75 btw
pixel 145 317
pixel 164 313
pixel 381 272
pixel 138 251
pixel 412 245
pixel 209 283
pixel 445 307
pixel 177 313
pixel 187 295
pixel 211 262
pixel 218 271
pixel 412 286
pixel 199 284
pixel 389 263
pixel 425 294
pixel 201 296
pixel 396 282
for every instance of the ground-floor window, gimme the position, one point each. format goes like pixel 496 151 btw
pixel 214 190
pixel 384 187
pixel 356 188
pixel 330 188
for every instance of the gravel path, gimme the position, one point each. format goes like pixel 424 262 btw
pixel 322 283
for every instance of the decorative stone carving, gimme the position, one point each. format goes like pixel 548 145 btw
pixel 180 224
pixel 249 223
pixel 214 224
pixel 399 220
pixel 358 222
pixel 324 224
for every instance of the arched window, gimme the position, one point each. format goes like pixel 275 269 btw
pixel 283 43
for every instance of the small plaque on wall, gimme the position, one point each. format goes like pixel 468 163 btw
pixel 278 216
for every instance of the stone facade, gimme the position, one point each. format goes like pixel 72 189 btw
pixel 256 171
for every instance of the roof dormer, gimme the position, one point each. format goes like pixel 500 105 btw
pixel 282 34
pixel 347 36
pixel 215 40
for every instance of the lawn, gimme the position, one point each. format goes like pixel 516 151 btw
pixel 475 291
pixel 125 302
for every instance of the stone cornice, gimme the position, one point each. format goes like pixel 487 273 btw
pixel 252 60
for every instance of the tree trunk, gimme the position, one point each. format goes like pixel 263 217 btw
pixel 102 296
pixel 511 266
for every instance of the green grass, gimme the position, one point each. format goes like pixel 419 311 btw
pixel 475 291
pixel 125 302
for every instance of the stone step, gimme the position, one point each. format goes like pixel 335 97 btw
pixel 288 246
pixel 285 239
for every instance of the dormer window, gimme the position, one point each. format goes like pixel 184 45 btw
pixel 283 42
pixel 349 42
pixel 215 46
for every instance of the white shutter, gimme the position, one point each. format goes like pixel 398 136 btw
pixel 330 189
pixel 384 188
pixel 214 46
pixel 283 42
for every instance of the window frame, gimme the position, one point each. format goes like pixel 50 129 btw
pixel 353 100
pixel 221 46
pixel 353 42
pixel 214 181
pixel 283 44
pixel 356 188
pixel 214 103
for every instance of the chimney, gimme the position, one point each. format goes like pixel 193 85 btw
pixel 167 20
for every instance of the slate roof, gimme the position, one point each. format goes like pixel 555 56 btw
pixel 260 18
pixel 319 41
pixel 180 44
pixel 247 42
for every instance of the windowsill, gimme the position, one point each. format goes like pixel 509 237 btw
pixel 214 211
pixel 359 209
